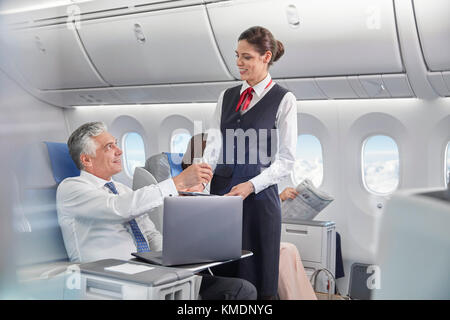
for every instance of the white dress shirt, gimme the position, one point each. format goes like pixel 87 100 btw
pixel 286 123
pixel 94 221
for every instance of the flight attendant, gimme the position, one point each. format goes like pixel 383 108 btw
pixel 251 146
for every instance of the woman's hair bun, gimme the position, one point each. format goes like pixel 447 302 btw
pixel 280 51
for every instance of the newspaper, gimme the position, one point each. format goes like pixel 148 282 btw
pixel 307 204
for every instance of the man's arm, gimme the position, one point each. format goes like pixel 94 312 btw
pixel 193 176
pixel 82 200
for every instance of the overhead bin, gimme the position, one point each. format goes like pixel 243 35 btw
pixel 397 85
pixel 336 87
pixel 183 93
pixel 321 37
pixel 45 12
pixel 440 82
pixel 178 93
pixel 52 58
pixel 155 47
pixel 351 87
pixel 305 89
pixel 81 97
pixel 433 26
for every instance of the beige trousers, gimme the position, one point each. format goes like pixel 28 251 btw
pixel 293 284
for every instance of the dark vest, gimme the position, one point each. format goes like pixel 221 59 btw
pixel 249 140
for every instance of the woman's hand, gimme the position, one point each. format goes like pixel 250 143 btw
pixel 288 193
pixel 242 189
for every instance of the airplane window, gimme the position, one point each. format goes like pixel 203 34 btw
pixel 308 162
pixel 133 152
pixel 179 142
pixel 380 163
pixel 447 175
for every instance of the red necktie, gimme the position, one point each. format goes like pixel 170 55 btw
pixel 247 95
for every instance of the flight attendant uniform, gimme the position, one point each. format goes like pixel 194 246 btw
pixel 271 118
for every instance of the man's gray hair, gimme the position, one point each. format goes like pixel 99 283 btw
pixel 81 142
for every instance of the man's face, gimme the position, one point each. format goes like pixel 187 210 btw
pixel 107 161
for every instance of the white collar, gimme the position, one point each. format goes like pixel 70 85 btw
pixel 259 87
pixel 99 182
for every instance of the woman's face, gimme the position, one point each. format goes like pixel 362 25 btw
pixel 252 66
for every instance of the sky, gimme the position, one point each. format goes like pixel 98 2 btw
pixel 308 163
pixel 380 161
pixel 135 151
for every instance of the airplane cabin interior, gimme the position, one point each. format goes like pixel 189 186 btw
pixel 371 80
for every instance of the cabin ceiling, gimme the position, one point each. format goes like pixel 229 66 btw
pixel 95 52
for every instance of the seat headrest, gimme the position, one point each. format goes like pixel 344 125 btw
pixel 142 178
pixel 175 163
pixel 62 163
pixel 158 165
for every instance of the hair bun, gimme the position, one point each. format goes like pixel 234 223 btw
pixel 280 50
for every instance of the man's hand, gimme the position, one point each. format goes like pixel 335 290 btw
pixel 198 188
pixel 242 189
pixel 193 176
pixel 288 193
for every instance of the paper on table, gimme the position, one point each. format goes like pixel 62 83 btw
pixel 129 268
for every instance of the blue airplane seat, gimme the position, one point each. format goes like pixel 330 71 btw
pixel 61 161
pixel 164 165
pixel 174 163
pixel 41 257
pixel 42 167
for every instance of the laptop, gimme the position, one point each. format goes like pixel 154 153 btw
pixel 199 230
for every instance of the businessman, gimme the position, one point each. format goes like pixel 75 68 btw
pixel 101 218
